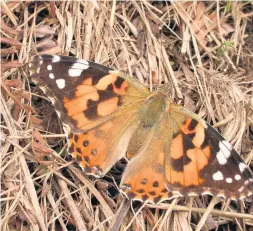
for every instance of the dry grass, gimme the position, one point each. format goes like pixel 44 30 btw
pixel 202 51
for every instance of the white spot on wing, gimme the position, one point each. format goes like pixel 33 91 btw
pixel 224 152
pixel 221 195
pixel 227 144
pixel 221 158
pixel 75 72
pixel 49 67
pixel 77 68
pixel 51 75
pixel 192 194
pixel 237 177
pixel 242 166
pixel 206 193
pixel 218 176
pixel 177 192
pixel 241 189
pixel 229 180
pixel 56 58
pixel 246 182
pixel 82 63
pixel 60 83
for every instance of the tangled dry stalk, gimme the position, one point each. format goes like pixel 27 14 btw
pixel 201 51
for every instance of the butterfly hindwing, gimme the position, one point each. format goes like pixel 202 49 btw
pixel 96 151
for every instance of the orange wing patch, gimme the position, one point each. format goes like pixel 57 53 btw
pixel 146 182
pixel 187 158
pixel 96 151
pixel 89 149
pixel 92 101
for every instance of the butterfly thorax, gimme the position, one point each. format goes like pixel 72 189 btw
pixel 153 109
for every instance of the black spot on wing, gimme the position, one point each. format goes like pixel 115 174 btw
pixel 119 81
pixel 78 159
pixel 85 143
pixel 79 150
pixel 164 190
pixel 177 164
pixel 156 184
pixel 212 139
pixel 131 195
pixel 144 181
pixel 192 125
pixel 71 148
pixel 76 138
pixel 140 191
pixel 109 87
pixel 152 193
pixel 187 142
pixel 91 112
pixel 157 199
pixel 87 159
pixel 144 197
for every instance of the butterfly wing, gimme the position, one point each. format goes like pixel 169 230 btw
pixel 184 156
pixel 201 161
pixel 144 178
pixel 85 94
pixel 98 107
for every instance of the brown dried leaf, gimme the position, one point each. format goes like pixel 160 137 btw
pixel 102 185
pixel 10 5
pixel 8 51
pixel 17 96
pixel 109 201
pixel 6 66
pixel 8 29
pixel 46 43
pixel 36 122
pixel 53 51
pixel 11 41
pixel 13 83
pixel 43 30
pixel 39 146
pixel 203 24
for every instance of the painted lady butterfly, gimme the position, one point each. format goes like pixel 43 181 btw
pixel 172 151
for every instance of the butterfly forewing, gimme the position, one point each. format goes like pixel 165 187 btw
pixel 206 163
pixel 85 94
